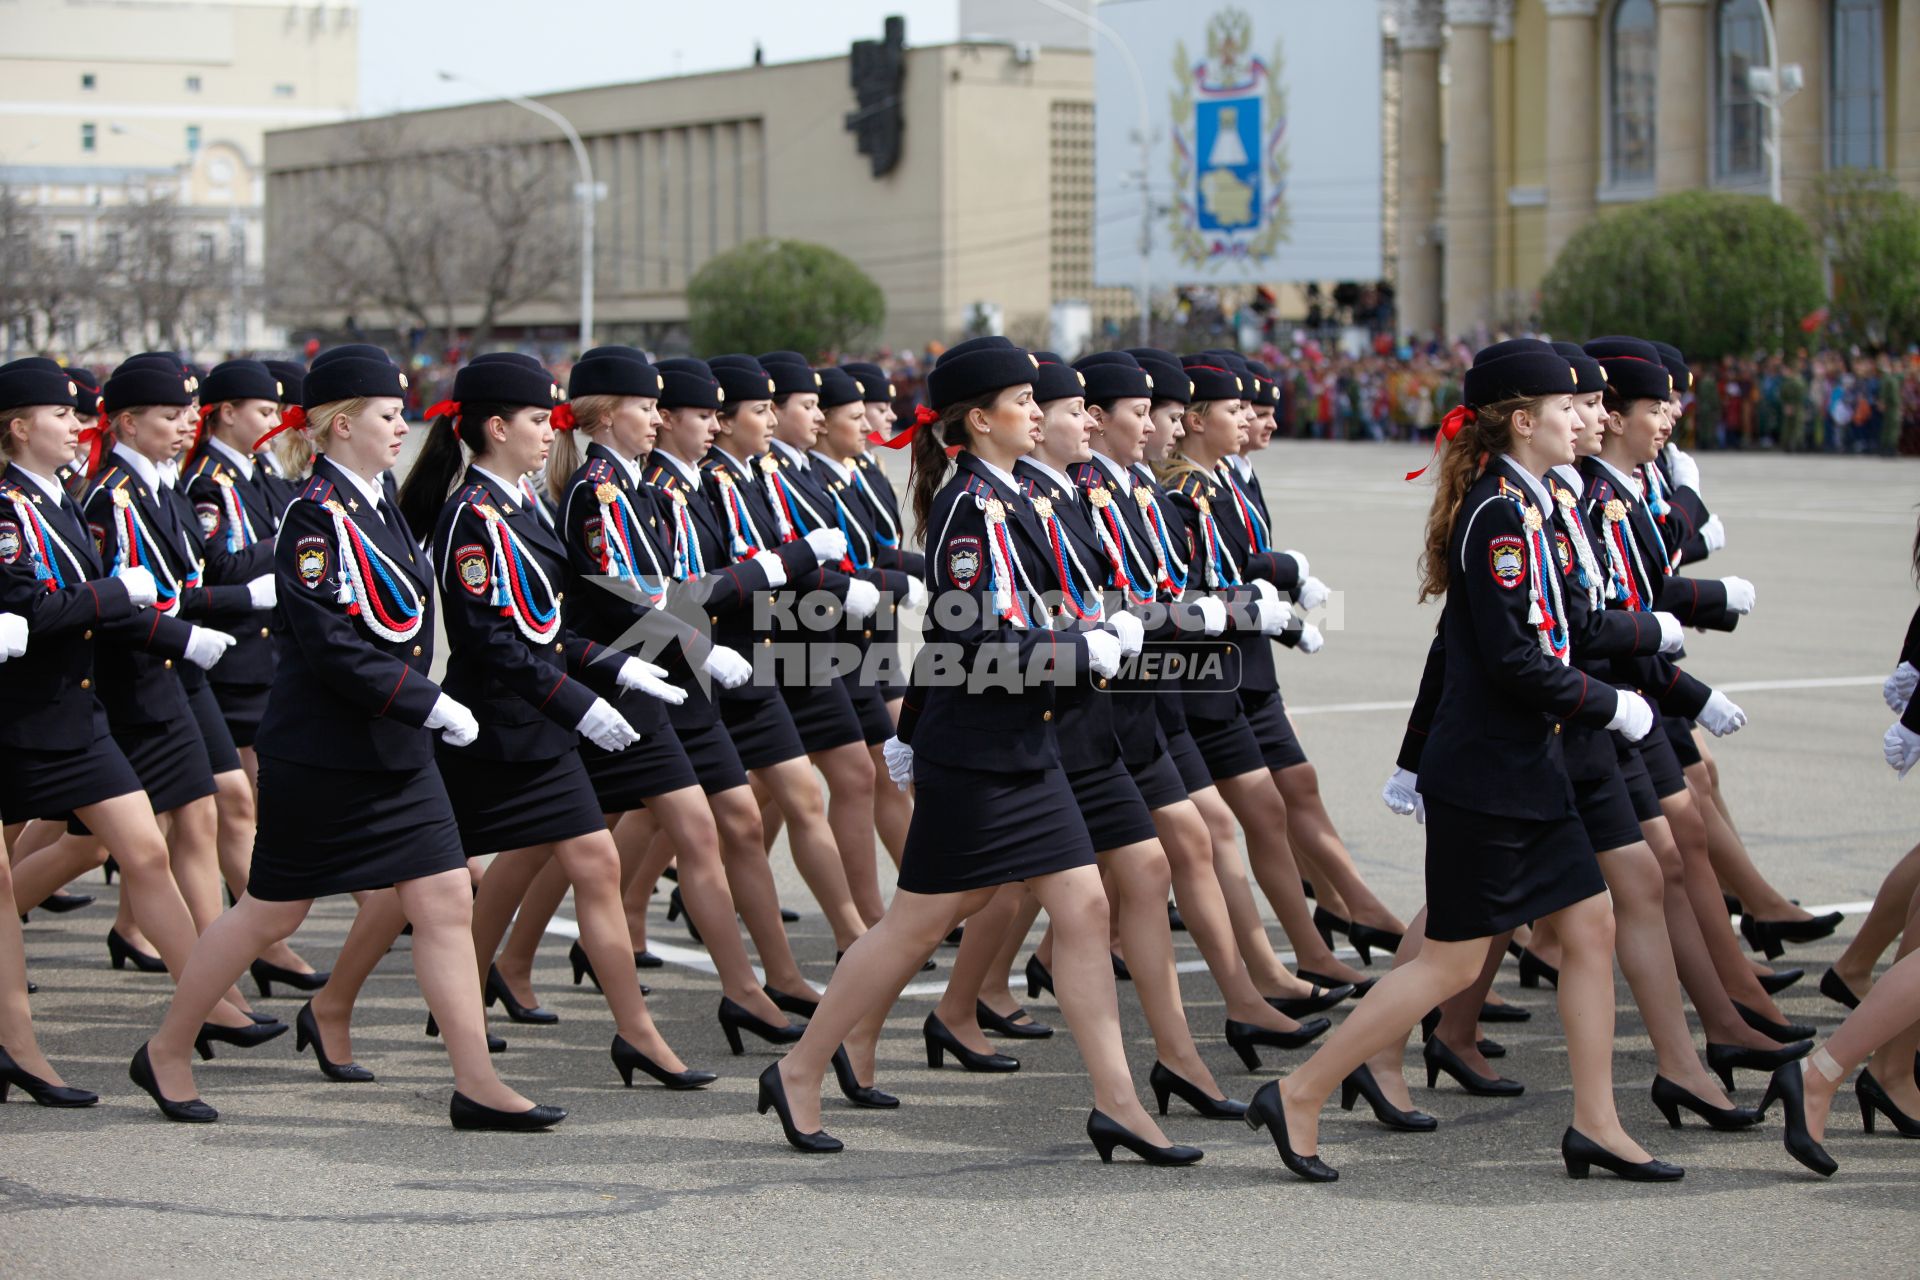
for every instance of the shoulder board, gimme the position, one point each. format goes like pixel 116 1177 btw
pixel 975 485
pixel 476 495
pixel 599 469
pixel 1508 489
pixel 318 489
pixel 14 494
pixel 661 477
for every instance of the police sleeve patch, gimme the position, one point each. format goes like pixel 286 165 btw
pixel 963 558
pixel 595 536
pixel 310 560
pixel 99 537
pixel 209 513
pixel 1565 549
pixel 1507 556
pixel 470 566
pixel 9 542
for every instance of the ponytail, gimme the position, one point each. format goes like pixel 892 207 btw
pixel 295 443
pixel 431 479
pixel 563 459
pixel 930 458
pixel 1490 433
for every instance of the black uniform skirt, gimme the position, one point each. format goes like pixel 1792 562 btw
pixel 1656 750
pixel 1111 806
pixel 972 829
pixel 1267 717
pixel 1160 782
pixel 1646 803
pixel 1487 873
pixel 1228 746
pixel 170 761
pixel 716 765
pixel 222 755
pixel 1188 760
pixel 513 804
pixel 870 705
pixel 1607 811
pixel 653 766
pixel 1680 734
pixel 242 705
pixel 325 831
pixel 823 715
pixel 52 784
pixel 762 730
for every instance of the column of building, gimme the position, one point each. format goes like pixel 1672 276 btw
pixel 1573 131
pixel 1418 252
pixel 1470 194
pixel 1683 91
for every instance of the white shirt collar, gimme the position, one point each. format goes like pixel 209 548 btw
pixel 1121 476
pixel 47 485
pixel 241 462
pixel 840 473
pixel 1571 477
pixel 1243 465
pixel 1050 473
pixel 369 489
pixel 1626 482
pixel 688 473
pixel 139 464
pixel 507 487
pixel 169 472
pixel 1002 476
pixel 1539 490
pixel 798 458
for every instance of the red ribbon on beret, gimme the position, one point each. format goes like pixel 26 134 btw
pixel 292 418
pixel 563 419
pixel 1457 417
pixel 922 417
pixel 445 409
pixel 95 438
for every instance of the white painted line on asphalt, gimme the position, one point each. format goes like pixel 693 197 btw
pixel 1736 686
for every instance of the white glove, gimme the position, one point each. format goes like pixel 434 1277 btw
pixel 1127 629
pixel 205 646
pixel 1313 593
pixel 1672 634
pixel 1402 792
pixel 1713 533
pixel 916 594
pixel 1310 638
pixel 606 728
pixel 773 566
pixel 636 676
pixel 141 588
pixel 13 636
pixel 1272 616
pixel 1720 716
pixel 1898 689
pixel 1739 595
pixel 457 726
pixel 1632 715
pixel 899 758
pixel 1267 591
pixel 1213 615
pixel 728 667
pixel 862 597
pixel 1686 472
pixel 1103 652
pixel 262 592
pixel 1299 558
pixel 1901 746
pixel 829 545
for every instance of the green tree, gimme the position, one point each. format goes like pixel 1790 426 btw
pixel 1871 232
pixel 770 295
pixel 1711 272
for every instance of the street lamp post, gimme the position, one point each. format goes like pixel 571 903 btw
pixel 585 191
pixel 1771 86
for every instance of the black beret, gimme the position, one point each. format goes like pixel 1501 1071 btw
pixel 1520 374
pixel 613 375
pixel 876 386
pixel 1511 347
pixel 351 351
pixel 86 398
pixel 978 367
pixel 688 384
pixel 291 374
pixel 1055 379
pixel 742 378
pixel 616 350
pixel 1113 375
pixel 1170 381
pixel 36 381
pixel 506 378
pixel 351 378
pixel 239 380
pixel 1633 367
pixel 1266 391
pixel 1605 348
pixel 166 361
pixel 1588 371
pixel 1212 380
pixel 790 372
pixel 838 387
pixel 1676 365
pixel 149 378
pixel 1249 385
pixel 508 357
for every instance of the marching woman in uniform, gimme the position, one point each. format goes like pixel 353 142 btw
pixel 349 796
pixel 1504 839
pixel 992 804
pixel 521 790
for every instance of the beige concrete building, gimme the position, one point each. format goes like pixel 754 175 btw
pixel 990 202
pixel 1519 121
pixel 106 105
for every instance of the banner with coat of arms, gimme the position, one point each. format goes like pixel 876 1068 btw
pixel 1229 146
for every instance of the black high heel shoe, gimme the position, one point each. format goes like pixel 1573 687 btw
pixel 1488 1049
pixel 61 903
pixel 498 991
pixel 1366 940
pixel 789 916
pixel 734 1019
pixel 1534 970
pixel 1784 1032
pixel 1120 971
pixel 1176 923
pixel 1780 979
pixel 994 1024
pixel 1166 1083
pixel 1439 1058
pixel 1319 1000
pixel 251 1036
pixel 465 1113
pixel 1789 1084
pixel 773 1093
pixel 626 1059
pixel 1106 1133
pixel 583 968
pixel 183 1111
pixel 1358 990
pixel 123 953
pixel 1267 1112
pixel 1361 1084
pixel 1038 979
pixel 495 1044
pixel 1669 1098
pixel 265 975
pixel 1327 924
pixel 941 1041
pixel 860 1095
pixel 306 1031
pixel 644 959
pixel 1723 1058
pixel 1873 1097
pixel 60 1095
pixel 1242 1037
pixel 1491 1012
pixel 677 907
pixel 109 869
pixel 799 1006
pixel 1835 988
pixel 1772 936
pixel 1582 1153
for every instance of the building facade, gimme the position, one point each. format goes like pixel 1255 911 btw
pixel 1520 121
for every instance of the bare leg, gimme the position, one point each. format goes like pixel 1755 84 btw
pixel 1691 957
pixel 1710 909
pixel 543 897
pixel 1310 826
pixel 441 909
pixel 193 848
pixel 57 862
pixel 1586 1016
pixel 892 807
pixel 1256 802
pixel 687 821
pixel 1885 1026
pixel 980 950
pixel 16 1019
pixel 1882 926
pixel 376 925
pixel 1388 1065
pixel 750 880
pixel 793 787
pixel 850 814
pixel 238 818
pixel 1459 1027
pixel 1141 881
pixel 1269 976
pixel 995 990
pixel 643 860
pixel 1732 865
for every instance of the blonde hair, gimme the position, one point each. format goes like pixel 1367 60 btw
pixel 589 414
pixel 296 448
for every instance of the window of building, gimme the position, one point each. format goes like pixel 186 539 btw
pixel 193 138
pixel 283 91
pixel 110 248
pixel 193 84
pixel 1631 83
pixel 86 80
pixel 89 136
pixel 205 248
pixel 1740 43
pixel 1859 87
pixel 69 248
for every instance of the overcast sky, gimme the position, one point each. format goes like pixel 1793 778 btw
pixel 534 46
